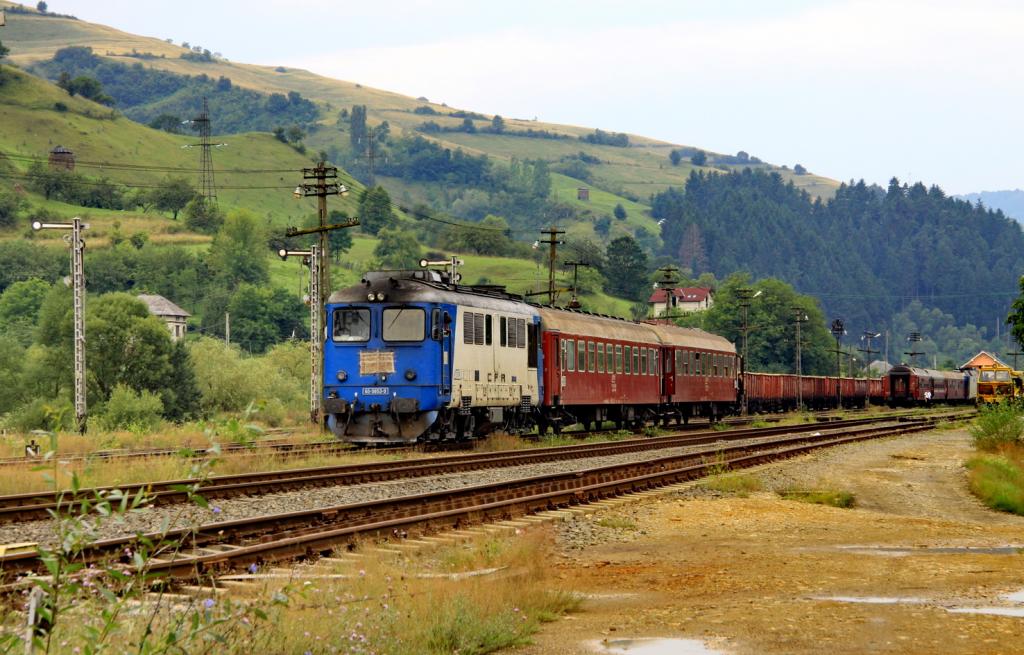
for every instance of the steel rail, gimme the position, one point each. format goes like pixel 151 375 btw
pixel 35 505
pixel 310 532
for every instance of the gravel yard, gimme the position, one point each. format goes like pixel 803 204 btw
pixel 918 566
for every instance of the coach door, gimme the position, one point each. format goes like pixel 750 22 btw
pixel 668 375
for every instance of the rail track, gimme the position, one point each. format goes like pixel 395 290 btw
pixel 36 505
pixel 238 543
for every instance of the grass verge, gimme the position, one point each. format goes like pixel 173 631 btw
pixel 471 599
pixel 997 479
pixel 733 483
pixel 830 497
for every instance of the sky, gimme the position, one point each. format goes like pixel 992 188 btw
pixel 925 91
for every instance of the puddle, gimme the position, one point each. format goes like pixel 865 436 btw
pixel 996 611
pixel 896 551
pixel 874 600
pixel 657 646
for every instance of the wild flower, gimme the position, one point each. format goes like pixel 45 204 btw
pixel 209 603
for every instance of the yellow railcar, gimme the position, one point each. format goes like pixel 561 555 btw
pixel 997 384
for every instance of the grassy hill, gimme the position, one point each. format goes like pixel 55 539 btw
pixel 637 171
pixel 31 125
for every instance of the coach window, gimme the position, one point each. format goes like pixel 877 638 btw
pixel 696 364
pixel 652 361
pixel 351 324
pixel 643 361
pixel 636 360
pixel 600 358
pixel 570 354
pixel 581 356
pixel 591 357
pixel 618 359
pixel 404 324
pixel 627 360
pixel 503 331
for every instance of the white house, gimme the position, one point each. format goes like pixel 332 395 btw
pixel 686 299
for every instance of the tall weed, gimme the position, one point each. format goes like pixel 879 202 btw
pixel 997 425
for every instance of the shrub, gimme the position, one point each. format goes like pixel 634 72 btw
pixel 831 497
pixel 130 409
pixel 997 425
pixel 43 414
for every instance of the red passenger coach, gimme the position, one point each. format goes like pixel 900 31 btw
pixel 597 369
pixel 701 372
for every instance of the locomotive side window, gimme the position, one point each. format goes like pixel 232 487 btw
pixel 467 327
pixel 618 359
pixel 570 354
pixel 600 358
pixel 488 330
pixel 503 332
pixel 351 324
pixel 591 357
pixel 403 324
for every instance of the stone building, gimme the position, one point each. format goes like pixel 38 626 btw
pixel 175 317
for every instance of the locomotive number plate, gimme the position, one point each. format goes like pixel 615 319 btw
pixel 375 391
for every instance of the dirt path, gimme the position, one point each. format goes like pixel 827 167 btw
pixel 759 574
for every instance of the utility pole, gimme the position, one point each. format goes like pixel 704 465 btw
pixel 867 337
pixel 1015 354
pixel 912 338
pixel 800 317
pixel 574 303
pixel 313 259
pixel 838 331
pixel 77 246
pixel 552 234
pixel 668 284
pixel 227 328
pixel 371 155
pixel 317 184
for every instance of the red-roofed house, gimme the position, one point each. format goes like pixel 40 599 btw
pixel 687 299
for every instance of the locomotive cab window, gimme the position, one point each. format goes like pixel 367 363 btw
pixel 403 324
pixel 352 324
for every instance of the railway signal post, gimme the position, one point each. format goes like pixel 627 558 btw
pixel 838 331
pixel 312 258
pixel 912 338
pixel 77 246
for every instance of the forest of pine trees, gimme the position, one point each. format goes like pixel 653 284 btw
pixel 867 253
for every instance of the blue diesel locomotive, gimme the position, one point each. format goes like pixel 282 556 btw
pixel 410 357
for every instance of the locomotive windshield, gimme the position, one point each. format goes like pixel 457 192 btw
pixel 995 376
pixel 404 324
pixel 352 324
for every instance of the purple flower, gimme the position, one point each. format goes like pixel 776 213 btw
pixel 216 510
pixel 209 603
pixel 253 568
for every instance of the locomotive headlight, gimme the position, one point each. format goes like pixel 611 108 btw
pixel 370 296
pixel 342 376
pixel 380 297
pixel 410 374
